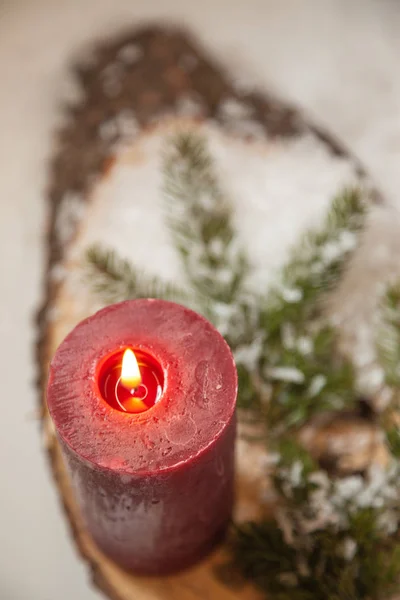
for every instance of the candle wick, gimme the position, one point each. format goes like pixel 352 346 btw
pixel 116 396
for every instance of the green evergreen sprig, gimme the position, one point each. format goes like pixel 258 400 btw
pixel 296 356
pixel 314 267
pixel 333 538
pixel 284 355
pixel 116 279
pixel 316 263
pixel 199 217
pixel 388 339
pixel 322 570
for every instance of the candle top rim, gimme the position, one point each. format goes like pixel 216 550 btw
pixel 199 394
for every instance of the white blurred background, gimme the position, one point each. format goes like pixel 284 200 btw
pixel 337 59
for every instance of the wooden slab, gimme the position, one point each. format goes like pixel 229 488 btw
pixel 105 187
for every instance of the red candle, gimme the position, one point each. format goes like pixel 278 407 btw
pixel 142 396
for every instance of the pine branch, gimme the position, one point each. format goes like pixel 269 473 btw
pixel 388 340
pixel 201 221
pixel 298 359
pixel 316 263
pixel 306 383
pixel 392 434
pixel 115 279
pixel 336 538
pixel 352 564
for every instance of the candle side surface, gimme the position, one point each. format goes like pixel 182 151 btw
pixel 158 525
pixel 155 488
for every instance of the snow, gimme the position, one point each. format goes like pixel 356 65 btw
pixel 289 374
pixel 189 106
pixel 248 355
pixel 216 247
pixel 317 384
pixel 235 110
pixel 349 548
pixel 58 273
pixel 127 208
pixel 305 345
pixel 127 125
pixel 332 501
pixel 108 130
pixel 69 215
pixel 332 251
pixel 130 53
pixel 288 336
pixel 292 295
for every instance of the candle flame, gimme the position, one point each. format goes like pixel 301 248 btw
pixel 130 372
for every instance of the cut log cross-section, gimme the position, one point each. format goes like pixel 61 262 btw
pixel 105 184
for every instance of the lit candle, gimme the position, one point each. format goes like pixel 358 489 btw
pixel 130 381
pixel 142 396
